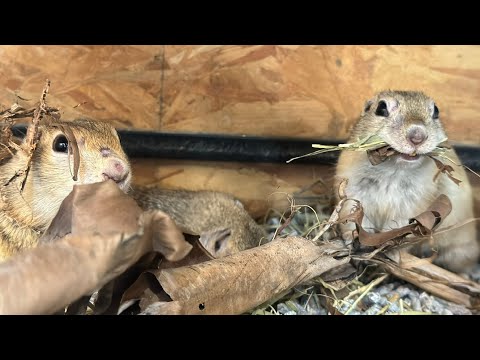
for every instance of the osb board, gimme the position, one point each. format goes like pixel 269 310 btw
pixel 120 84
pixel 300 91
pixel 259 186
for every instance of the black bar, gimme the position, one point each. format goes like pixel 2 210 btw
pixel 221 147
pixel 214 147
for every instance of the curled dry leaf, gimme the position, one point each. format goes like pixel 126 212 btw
pixel 146 281
pixel 445 169
pixel 88 209
pixel 45 279
pixel 432 278
pixel 377 156
pixel 421 225
pixel 242 281
pixel 99 233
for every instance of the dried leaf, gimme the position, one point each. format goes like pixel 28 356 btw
pixel 110 296
pixel 47 278
pixel 377 156
pixel 242 281
pixel 421 225
pixel 144 282
pixel 432 278
pixel 433 216
pixel 108 233
pixel 197 255
pixel 445 169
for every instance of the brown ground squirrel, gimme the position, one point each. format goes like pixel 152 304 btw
pixel 402 186
pixel 25 215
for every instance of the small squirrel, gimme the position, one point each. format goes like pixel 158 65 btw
pixel 26 214
pixel 403 185
pixel 222 221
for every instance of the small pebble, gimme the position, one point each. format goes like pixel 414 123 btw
pixel 416 305
pixel 403 291
pixel 373 310
pixel 373 298
pixel 282 308
pixel 386 289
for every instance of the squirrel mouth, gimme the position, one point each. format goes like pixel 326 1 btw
pixel 121 182
pixel 379 155
pixel 409 157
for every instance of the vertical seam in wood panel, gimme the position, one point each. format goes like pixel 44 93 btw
pixel 162 78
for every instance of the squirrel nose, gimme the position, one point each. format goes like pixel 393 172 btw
pixel 116 170
pixel 416 135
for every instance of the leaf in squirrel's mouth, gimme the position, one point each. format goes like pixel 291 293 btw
pixel 409 157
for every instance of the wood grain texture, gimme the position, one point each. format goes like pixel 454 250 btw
pixel 298 91
pixel 120 84
pixel 314 91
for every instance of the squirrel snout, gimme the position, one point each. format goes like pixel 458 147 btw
pixel 416 135
pixel 116 170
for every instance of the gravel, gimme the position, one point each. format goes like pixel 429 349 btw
pixel 413 300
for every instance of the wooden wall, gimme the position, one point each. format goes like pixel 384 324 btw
pixel 304 91
pixel 297 91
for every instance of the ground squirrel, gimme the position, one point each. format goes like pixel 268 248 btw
pixel 403 185
pixel 25 215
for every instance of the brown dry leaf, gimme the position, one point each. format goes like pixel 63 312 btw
pixel 377 156
pixel 88 209
pixel 433 216
pixel 445 169
pixel 197 255
pixel 242 281
pixel 110 296
pixel 420 226
pixel 108 233
pixel 431 278
pixel 147 281
pixel 45 279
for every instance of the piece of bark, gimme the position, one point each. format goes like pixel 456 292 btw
pixel 242 281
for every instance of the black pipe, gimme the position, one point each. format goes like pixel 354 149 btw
pixel 214 147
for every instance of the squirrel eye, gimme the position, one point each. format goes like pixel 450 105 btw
pixel 60 144
pixel 382 109
pixel 436 112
